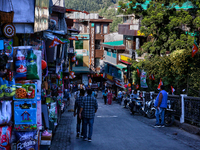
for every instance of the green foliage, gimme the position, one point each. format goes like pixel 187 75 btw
pixel 164 22
pixel 177 70
pixel 111 14
pixel 88 5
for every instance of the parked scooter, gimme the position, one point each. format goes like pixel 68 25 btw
pixel 135 106
pixel 149 109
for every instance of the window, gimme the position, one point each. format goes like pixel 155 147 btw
pixel 79 44
pixel 129 44
pixel 105 29
pixel 109 53
pixel 97 44
pixel 114 55
pixel 98 28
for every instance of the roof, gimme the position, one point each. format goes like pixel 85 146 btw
pixel 114 45
pixel 101 20
pixel 121 66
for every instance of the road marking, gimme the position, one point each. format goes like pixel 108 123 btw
pixel 107 116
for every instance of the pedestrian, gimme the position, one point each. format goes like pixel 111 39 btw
pixel 89 107
pixel 77 108
pixel 161 105
pixel 105 96
pixel 109 96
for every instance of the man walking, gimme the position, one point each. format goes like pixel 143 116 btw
pixel 89 107
pixel 77 108
pixel 161 105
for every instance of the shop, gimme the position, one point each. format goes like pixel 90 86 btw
pixel 31 77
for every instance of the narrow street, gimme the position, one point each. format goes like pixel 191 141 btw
pixel 116 129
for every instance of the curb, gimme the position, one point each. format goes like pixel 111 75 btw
pixel 187 127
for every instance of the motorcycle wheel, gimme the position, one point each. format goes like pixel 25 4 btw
pixel 169 119
pixel 151 113
pixel 141 112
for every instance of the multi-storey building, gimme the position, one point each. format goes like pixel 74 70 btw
pixel 89 51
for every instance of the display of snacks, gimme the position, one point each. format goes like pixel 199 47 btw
pixel 25 127
pixel 25 92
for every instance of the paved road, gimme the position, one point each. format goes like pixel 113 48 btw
pixel 116 129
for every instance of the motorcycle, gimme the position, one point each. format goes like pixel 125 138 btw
pixel 135 105
pixel 149 109
pixel 169 114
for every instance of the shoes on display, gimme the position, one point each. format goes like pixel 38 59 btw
pixel 46 133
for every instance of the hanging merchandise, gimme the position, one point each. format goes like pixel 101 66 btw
pixel 10 88
pixel 8 46
pixel 1 88
pixel 5 136
pixel 9 30
pixel 5 112
pixel 25 118
pixel 44 64
pixel 32 72
pixel 3 59
pixel 20 64
pixel 25 92
pixel 53 112
pixel 27 140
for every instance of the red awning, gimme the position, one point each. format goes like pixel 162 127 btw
pixel 72 10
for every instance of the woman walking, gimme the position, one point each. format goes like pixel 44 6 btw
pixel 105 96
pixel 109 96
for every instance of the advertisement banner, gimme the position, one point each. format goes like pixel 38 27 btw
pixel 143 78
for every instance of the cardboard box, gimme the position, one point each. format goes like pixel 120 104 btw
pixel 46 137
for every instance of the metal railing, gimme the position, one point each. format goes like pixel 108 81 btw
pixel 192 109
pixel 185 107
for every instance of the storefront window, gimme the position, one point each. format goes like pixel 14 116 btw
pixel 129 44
pixel 114 55
pixel 79 44
pixel 119 74
pixel 109 53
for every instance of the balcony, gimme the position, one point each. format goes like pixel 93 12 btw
pixel 128 29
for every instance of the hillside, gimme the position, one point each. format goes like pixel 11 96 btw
pixel 89 5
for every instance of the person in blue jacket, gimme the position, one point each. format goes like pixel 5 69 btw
pixel 161 105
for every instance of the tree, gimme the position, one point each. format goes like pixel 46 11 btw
pixel 164 22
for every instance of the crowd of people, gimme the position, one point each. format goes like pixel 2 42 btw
pixel 86 106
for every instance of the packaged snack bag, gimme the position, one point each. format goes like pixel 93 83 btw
pixel 32 66
pixel 20 64
pixel 27 140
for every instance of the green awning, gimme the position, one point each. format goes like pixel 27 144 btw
pixel 121 66
pixel 114 43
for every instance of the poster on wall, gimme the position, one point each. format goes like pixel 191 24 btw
pixel 143 77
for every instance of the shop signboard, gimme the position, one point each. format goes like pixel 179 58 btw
pixel 109 77
pixel 82 52
pixel 119 83
pixel 41 15
pixel 143 77
pixel 92 48
pixel 125 59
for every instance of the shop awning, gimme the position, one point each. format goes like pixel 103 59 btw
pixel 121 66
pixel 81 69
pixel 114 44
pixel 109 82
